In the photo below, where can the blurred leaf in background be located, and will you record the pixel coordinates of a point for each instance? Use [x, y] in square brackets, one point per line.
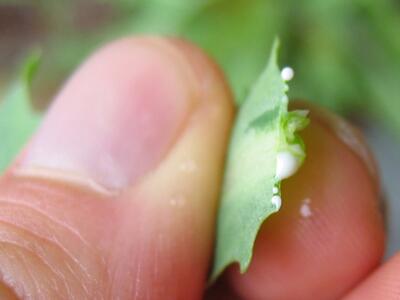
[346, 54]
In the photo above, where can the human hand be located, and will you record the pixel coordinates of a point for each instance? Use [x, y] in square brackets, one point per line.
[115, 197]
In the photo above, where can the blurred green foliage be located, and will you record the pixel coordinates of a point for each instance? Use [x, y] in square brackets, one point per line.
[346, 54]
[17, 119]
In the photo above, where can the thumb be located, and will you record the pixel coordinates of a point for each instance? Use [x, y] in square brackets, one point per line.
[115, 196]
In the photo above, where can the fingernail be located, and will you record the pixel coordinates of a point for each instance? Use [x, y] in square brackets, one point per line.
[116, 118]
[346, 133]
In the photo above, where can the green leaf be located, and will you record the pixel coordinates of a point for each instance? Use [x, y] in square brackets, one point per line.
[263, 129]
[17, 118]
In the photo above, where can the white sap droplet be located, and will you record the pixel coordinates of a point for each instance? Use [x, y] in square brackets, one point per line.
[275, 190]
[188, 166]
[277, 201]
[286, 165]
[287, 73]
[305, 208]
[177, 200]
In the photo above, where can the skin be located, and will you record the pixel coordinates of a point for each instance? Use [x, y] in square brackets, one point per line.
[115, 196]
